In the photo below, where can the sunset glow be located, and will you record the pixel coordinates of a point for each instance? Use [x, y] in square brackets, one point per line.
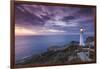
[20, 31]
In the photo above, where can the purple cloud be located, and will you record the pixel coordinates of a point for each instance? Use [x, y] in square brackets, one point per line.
[54, 18]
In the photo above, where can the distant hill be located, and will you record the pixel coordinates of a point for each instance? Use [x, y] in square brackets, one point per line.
[89, 39]
[90, 42]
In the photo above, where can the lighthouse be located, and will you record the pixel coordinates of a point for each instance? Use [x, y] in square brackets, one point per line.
[81, 37]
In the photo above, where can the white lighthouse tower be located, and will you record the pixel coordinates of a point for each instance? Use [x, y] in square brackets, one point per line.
[81, 37]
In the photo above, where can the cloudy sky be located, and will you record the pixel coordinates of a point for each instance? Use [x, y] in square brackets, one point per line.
[52, 20]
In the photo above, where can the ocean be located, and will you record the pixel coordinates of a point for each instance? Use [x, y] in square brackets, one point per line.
[30, 45]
